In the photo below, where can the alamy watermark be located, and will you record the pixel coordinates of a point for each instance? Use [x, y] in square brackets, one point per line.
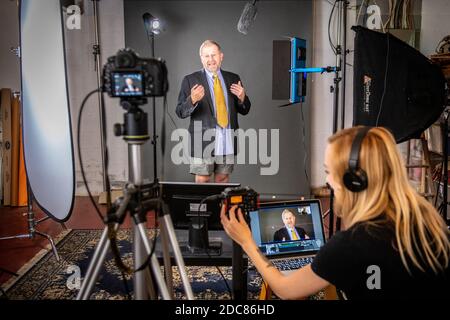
[255, 141]
[74, 280]
[73, 21]
[374, 280]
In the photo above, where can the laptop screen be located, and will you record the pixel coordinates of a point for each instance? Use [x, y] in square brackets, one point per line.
[293, 227]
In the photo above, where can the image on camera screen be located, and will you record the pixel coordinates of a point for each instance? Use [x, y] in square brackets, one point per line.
[127, 84]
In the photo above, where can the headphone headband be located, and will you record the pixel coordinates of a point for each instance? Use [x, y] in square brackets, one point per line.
[355, 178]
[353, 161]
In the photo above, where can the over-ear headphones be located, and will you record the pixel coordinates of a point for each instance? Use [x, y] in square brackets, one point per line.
[355, 178]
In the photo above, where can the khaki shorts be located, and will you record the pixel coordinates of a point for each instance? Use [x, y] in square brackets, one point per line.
[208, 166]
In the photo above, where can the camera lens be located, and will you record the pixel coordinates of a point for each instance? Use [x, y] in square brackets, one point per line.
[125, 59]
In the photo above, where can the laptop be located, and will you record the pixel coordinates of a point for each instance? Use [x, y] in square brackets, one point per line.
[288, 251]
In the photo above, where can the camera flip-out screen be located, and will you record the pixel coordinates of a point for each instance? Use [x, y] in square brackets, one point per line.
[128, 84]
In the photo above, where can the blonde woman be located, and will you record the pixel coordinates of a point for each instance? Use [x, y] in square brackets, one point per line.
[393, 243]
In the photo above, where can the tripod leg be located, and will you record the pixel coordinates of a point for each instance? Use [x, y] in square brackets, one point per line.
[52, 243]
[166, 256]
[168, 226]
[154, 263]
[150, 287]
[94, 266]
[141, 278]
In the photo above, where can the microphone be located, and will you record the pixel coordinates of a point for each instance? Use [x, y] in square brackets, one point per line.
[247, 17]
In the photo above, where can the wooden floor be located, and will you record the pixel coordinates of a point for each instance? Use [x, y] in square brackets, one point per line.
[13, 221]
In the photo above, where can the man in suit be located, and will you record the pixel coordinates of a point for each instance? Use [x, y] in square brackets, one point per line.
[212, 98]
[289, 231]
[129, 86]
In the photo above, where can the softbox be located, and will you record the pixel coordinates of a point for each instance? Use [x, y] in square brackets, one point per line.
[395, 86]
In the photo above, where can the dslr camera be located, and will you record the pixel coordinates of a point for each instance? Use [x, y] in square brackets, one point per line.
[128, 76]
[245, 198]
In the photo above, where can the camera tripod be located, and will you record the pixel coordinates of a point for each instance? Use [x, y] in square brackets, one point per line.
[138, 199]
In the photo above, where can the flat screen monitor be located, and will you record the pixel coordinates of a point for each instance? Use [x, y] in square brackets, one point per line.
[184, 200]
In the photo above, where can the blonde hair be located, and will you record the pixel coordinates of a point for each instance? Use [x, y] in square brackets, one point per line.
[421, 234]
[208, 43]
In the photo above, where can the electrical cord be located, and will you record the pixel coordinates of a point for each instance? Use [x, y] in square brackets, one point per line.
[80, 158]
[163, 136]
[305, 157]
[333, 47]
[360, 10]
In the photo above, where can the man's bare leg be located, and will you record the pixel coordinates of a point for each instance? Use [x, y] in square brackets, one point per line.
[202, 179]
[222, 178]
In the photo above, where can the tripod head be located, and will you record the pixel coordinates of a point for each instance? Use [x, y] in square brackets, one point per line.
[135, 127]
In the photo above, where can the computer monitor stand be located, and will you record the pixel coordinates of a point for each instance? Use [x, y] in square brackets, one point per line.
[198, 242]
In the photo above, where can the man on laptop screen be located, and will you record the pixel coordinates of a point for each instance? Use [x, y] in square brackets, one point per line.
[299, 232]
[290, 231]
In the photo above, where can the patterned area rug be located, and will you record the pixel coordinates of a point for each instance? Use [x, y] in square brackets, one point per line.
[50, 279]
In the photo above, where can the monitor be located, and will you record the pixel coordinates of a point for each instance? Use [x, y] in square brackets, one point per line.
[183, 200]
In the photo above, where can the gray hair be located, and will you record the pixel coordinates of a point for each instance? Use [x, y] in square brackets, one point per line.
[286, 211]
[207, 43]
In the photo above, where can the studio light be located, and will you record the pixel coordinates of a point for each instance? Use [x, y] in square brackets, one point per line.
[152, 24]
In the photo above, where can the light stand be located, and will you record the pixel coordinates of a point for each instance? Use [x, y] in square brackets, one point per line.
[138, 200]
[32, 224]
[101, 109]
[153, 26]
[155, 137]
[341, 51]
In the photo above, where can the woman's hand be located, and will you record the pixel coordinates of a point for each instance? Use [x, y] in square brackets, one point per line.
[235, 226]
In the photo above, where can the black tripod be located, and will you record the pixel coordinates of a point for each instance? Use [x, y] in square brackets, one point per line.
[338, 99]
[138, 199]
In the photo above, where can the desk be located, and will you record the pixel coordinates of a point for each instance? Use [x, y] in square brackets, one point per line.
[232, 255]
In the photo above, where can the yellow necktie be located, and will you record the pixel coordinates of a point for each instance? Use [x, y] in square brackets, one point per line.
[294, 235]
[221, 108]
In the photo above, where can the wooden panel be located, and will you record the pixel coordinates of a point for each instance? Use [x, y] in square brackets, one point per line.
[22, 199]
[6, 145]
[15, 145]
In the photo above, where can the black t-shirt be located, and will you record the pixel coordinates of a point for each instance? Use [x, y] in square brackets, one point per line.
[363, 263]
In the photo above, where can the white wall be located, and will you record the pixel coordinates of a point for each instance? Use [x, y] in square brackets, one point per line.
[9, 37]
[435, 24]
[322, 98]
[83, 79]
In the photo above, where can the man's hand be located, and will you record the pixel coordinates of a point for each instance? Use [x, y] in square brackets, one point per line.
[197, 93]
[238, 90]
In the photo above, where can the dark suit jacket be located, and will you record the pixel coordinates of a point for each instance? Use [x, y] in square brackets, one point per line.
[204, 111]
[283, 235]
[125, 88]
